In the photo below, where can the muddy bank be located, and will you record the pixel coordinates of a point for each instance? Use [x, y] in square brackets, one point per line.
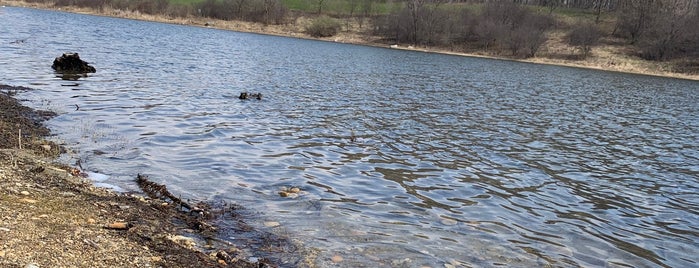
[52, 216]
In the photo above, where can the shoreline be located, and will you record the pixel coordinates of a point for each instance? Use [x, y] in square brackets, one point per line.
[52, 215]
[604, 57]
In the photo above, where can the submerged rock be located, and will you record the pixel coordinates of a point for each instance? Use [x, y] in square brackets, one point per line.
[72, 64]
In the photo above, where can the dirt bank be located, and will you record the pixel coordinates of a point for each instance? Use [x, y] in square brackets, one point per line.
[612, 55]
[52, 216]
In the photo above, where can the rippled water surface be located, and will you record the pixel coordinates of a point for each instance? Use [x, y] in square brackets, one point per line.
[405, 159]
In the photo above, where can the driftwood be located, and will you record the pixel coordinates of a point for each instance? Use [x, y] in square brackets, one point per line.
[197, 216]
[155, 190]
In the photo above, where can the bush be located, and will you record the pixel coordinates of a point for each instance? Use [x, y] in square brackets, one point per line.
[584, 36]
[179, 10]
[323, 27]
[514, 27]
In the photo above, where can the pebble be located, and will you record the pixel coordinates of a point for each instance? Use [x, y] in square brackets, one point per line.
[271, 224]
[91, 221]
[187, 242]
[24, 193]
[31, 265]
[67, 194]
[336, 258]
[2, 253]
[27, 200]
[288, 194]
[4, 229]
[118, 226]
[402, 262]
[449, 265]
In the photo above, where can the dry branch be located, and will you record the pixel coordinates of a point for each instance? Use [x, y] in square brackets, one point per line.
[155, 190]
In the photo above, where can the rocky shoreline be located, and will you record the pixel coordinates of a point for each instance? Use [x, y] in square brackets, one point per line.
[52, 216]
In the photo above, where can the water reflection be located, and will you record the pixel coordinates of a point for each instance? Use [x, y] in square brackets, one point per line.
[70, 77]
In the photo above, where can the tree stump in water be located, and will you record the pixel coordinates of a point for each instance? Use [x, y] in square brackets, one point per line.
[71, 63]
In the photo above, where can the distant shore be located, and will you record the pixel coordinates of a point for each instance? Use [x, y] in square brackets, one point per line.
[604, 57]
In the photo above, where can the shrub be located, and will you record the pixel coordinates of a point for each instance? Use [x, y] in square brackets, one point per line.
[179, 10]
[514, 27]
[323, 27]
[584, 36]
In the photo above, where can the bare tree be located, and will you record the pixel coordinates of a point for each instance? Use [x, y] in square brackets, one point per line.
[667, 31]
[320, 4]
[365, 9]
[635, 17]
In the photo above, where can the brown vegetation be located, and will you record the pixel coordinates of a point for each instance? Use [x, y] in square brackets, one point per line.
[323, 27]
[641, 36]
[584, 36]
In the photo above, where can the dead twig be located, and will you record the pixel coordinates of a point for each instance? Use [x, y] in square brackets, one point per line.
[155, 190]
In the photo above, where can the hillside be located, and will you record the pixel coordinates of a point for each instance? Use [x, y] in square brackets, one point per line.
[515, 32]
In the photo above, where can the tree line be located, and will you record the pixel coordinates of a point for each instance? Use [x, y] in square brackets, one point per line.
[261, 11]
[657, 29]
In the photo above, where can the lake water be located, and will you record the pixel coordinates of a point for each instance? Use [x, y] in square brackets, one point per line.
[404, 159]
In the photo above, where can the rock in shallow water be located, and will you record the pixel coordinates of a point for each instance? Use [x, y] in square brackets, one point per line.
[271, 224]
[337, 258]
[71, 63]
[448, 222]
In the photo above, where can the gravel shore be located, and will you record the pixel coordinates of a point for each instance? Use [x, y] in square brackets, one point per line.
[51, 216]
